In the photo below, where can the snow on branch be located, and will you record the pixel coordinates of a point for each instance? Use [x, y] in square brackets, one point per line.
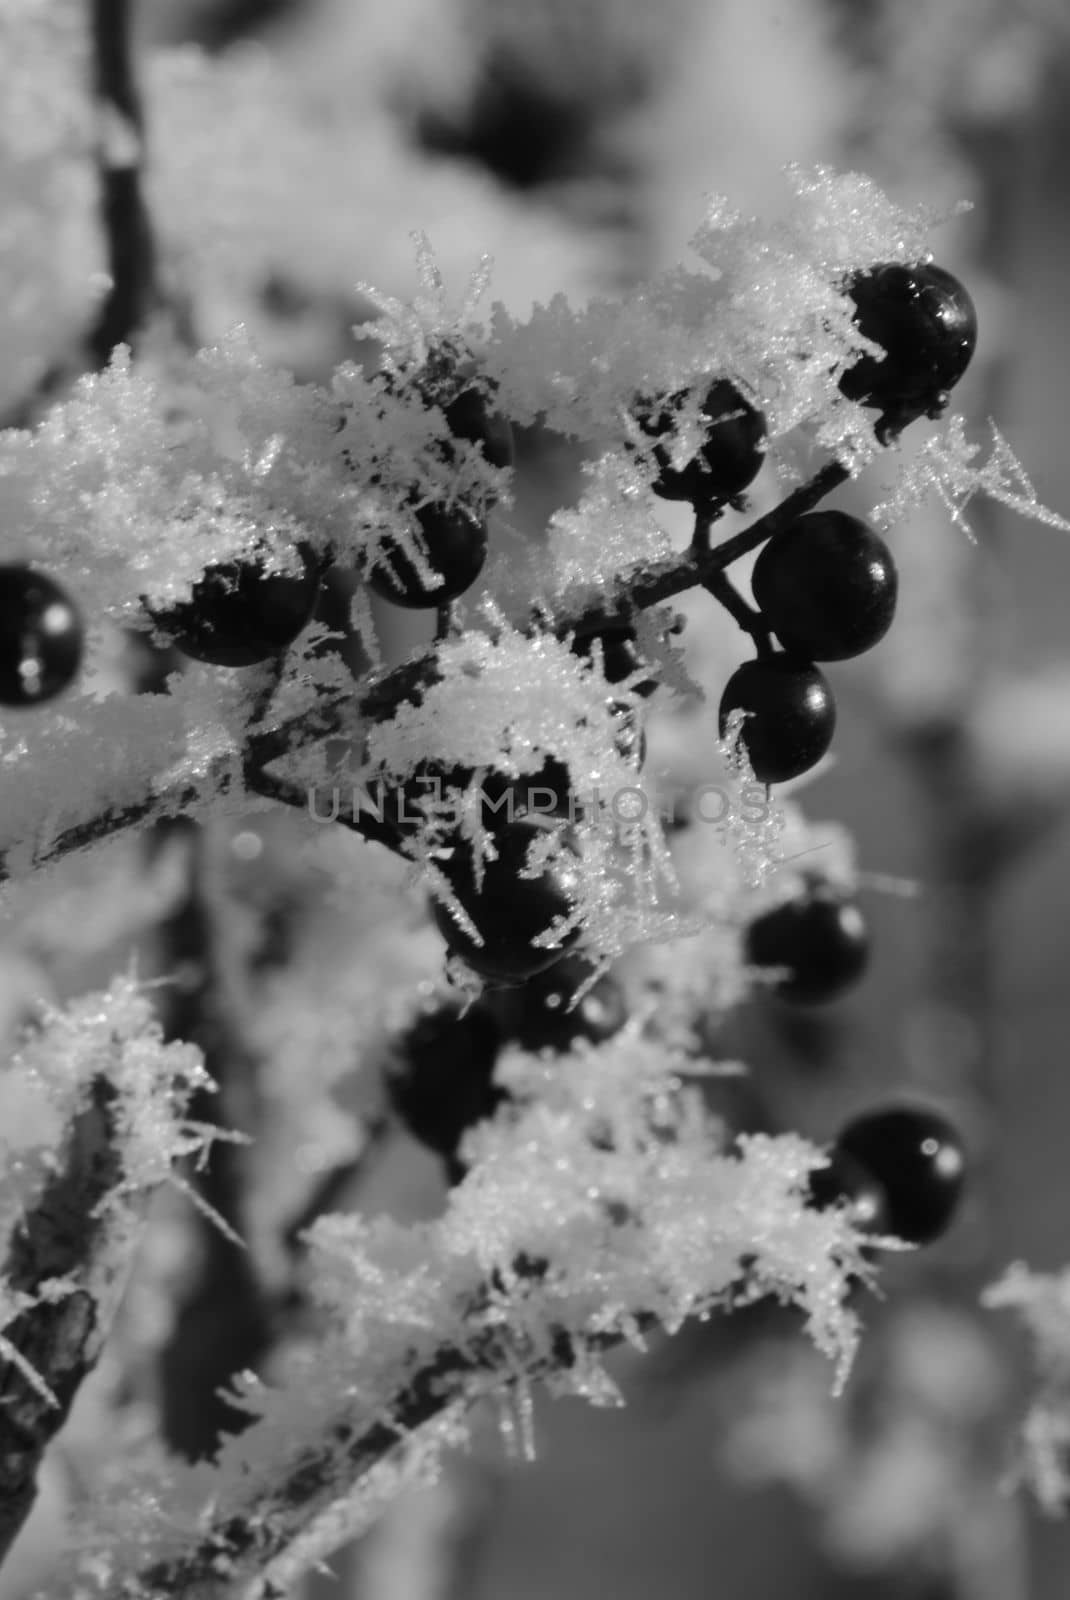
[91, 1120]
[602, 1204]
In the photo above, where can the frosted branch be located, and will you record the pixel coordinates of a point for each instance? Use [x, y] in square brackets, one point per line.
[380, 697]
[98, 1070]
[58, 1336]
[453, 1312]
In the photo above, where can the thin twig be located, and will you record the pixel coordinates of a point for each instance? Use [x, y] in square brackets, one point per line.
[750, 619]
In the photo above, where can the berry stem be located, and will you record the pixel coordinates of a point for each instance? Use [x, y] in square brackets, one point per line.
[750, 619]
[651, 585]
[705, 517]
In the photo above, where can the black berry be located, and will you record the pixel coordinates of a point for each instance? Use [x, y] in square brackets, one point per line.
[791, 715]
[510, 911]
[441, 1078]
[926, 322]
[240, 613]
[844, 1182]
[539, 1018]
[455, 543]
[730, 457]
[827, 586]
[819, 938]
[40, 637]
[916, 1158]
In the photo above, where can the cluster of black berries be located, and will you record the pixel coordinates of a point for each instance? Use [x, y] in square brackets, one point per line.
[441, 1078]
[41, 637]
[826, 585]
[239, 613]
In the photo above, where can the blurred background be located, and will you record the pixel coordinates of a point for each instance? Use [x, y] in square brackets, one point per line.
[575, 140]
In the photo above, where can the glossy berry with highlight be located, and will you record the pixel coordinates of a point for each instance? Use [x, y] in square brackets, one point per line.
[455, 545]
[790, 715]
[509, 911]
[916, 1157]
[41, 637]
[827, 586]
[240, 613]
[820, 941]
[924, 319]
[730, 456]
[541, 1014]
[845, 1183]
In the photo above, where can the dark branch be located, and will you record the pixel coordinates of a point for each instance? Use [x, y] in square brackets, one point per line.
[128, 232]
[61, 1338]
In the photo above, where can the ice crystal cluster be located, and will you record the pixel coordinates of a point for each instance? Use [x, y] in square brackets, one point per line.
[1041, 1303]
[603, 1202]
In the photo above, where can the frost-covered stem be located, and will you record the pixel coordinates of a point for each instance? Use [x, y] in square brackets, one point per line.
[649, 586]
[288, 793]
[721, 587]
[243, 1540]
[637, 589]
[130, 247]
[96, 829]
[378, 700]
[61, 1337]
